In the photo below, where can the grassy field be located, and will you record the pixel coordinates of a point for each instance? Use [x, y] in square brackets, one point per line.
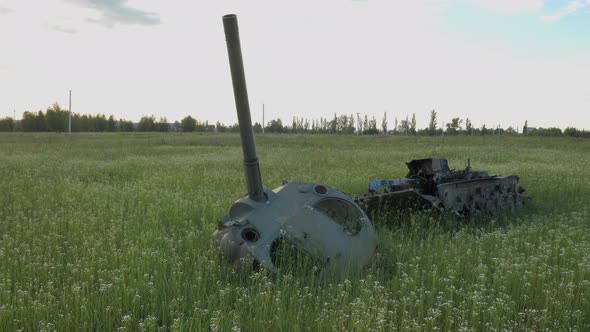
[112, 232]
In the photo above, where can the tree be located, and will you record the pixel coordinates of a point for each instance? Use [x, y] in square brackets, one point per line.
[350, 128]
[40, 122]
[403, 126]
[407, 125]
[384, 123]
[203, 126]
[111, 124]
[100, 122]
[413, 124]
[257, 128]
[551, 131]
[275, 126]
[57, 119]
[7, 124]
[147, 123]
[342, 124]
[360, 127]
[28, 121]
[433, 122]
[371, 127]
[484, 130]
[334, 124]
[175, 126]
[220, 127]
[468, 127]
[298, 125]
[574, 132]
[125, 126]
[162, 125]
[454, 127]
[235, 128]
[294, 125]
[525, 127]
[85, 123]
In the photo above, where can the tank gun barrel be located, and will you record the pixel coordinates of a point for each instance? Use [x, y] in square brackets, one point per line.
[234, 51]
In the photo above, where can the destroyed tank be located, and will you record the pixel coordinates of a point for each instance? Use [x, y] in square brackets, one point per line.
[325, 224]
[430, 183]
[314, 219]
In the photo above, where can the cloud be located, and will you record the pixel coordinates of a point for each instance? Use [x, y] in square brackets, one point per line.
[5, 11]
[115, 12]
[509, 7]
[570, 8]
[60, 28]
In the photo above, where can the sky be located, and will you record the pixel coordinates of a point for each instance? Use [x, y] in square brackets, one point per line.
[496, 62]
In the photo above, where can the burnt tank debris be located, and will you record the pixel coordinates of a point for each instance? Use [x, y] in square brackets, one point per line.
[431, 184]
[325, 224]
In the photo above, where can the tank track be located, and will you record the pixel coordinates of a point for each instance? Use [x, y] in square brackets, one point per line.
[380, 202]
[482, 197]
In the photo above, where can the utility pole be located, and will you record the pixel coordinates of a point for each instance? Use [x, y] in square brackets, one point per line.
[263, 118]
[70, 115]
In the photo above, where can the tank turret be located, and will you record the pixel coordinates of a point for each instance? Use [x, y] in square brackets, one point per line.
[313, 218]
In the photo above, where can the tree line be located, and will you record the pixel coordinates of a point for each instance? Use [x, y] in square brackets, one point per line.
[55, 119]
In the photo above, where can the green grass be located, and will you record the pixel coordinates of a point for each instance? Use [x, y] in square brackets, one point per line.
[106, 232]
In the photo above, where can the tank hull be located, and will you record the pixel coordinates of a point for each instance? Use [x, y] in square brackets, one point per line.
[431, 184]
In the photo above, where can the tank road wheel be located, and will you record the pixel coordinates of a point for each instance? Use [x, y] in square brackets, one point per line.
[519, 201]
[501, 203]
[474, 209]
[490, 207]
[510, 202]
